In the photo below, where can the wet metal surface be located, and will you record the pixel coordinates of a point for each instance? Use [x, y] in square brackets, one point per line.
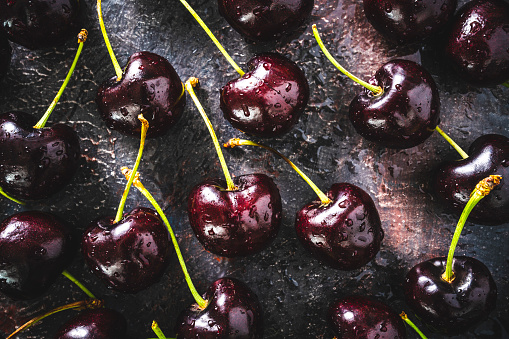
[295, 289]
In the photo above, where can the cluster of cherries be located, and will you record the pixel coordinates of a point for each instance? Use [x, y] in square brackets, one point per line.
[399, 108]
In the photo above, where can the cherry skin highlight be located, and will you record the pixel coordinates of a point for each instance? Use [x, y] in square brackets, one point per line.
[356, 317]
[409, 21]
[35, 248]
[450, 307]
[235, 223]
[478, 41]
[130, 255]
[5, 55]
[345, 234]
[233, 311]
[35, 163]
[269, 99]
[101, 323]
[405, 114]
[149, 86]
[263, 20]
[38, 24]
[454, 180]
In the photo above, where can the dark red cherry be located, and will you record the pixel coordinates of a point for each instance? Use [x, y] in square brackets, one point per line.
[405, 114]
[409, 21]
[235, 223]
[5, 55]
[356, 317]
[269, 99]
[345, 234]
[35, 248]
[262, 20]
[130, 255]
[100, 323]
[35, 162]
[39, 24]
[149, 86]
[450, 307]
[455, 180]
[233, 311]
[478, 42]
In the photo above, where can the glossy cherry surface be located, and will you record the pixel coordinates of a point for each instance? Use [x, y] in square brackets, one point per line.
[409, 21]
[356, 317]
[347, 233]
[269, 99]
[130, 255]
[405, 114]
[233, 311]
[101, 323]
[265, 19]
[39, 24]
[35, 247]
[478, 42]
[235, 223]
[454, 181]
[35, 163]
[149, 86]
[5, 55]
[450, 307]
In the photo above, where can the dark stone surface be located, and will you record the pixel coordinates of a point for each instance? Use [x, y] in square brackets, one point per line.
[295, 290]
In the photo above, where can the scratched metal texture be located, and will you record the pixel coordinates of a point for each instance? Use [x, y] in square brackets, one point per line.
[295, 290]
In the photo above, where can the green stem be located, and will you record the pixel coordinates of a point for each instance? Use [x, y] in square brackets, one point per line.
[157, 330]
[506, 84]
[463, 154]
[144, 129]
[212, 37]
[69, 276]
[202, 303]
[82, 37]
[241, 142]
[118, 69]
[10, 198]
[80, 305]
[377, 90]
[482, 189]
[192, 82]
[412, 325]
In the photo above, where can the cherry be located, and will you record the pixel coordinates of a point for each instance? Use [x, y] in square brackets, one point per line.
[341, 228]
[409, 21]
[149, 86]
[233, 311]
[5, 55]
[101, 323]
[453, 180]
[400, 106]
[357, 317]
[129, 255]
[263, 20]
[477, 43]
[35, 247]
[38, 24]
[451, 294]
[269, 99]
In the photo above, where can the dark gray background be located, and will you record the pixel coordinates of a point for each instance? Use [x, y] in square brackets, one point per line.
[295, 290]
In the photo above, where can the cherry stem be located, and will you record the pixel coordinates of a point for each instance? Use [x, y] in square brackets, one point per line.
[412, 325]
[10, 198]
[80, 305]
[241, 142]
[69, 276]
[82, 37]
[482, 189]
[506, 84]
[202, 303]
[118, 69]
[212, 37]
[454, 145]
[144, 128]
[157, 330]
[192, 82]
[377, 90]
